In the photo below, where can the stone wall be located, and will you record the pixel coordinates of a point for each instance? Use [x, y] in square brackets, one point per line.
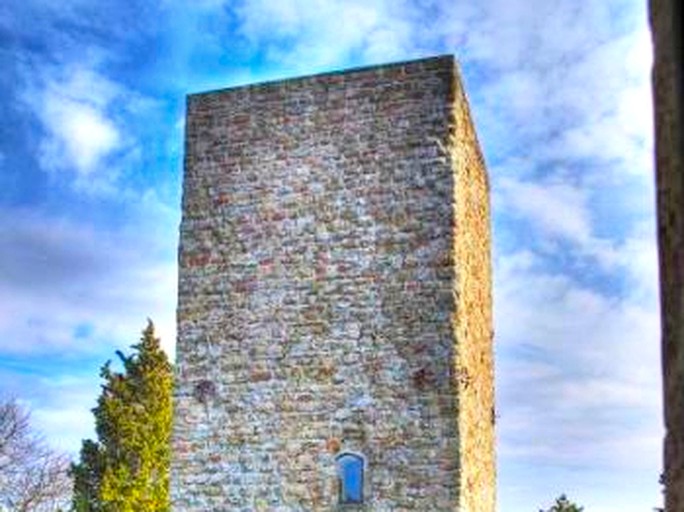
[666, 20]
[334, 295]
[473, 317]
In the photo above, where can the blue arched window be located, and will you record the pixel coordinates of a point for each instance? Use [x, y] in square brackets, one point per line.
[350, 473]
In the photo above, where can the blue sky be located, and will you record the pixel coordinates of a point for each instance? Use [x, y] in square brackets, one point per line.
[92, 102]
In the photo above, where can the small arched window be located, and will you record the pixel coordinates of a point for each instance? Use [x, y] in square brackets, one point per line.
[350, 473]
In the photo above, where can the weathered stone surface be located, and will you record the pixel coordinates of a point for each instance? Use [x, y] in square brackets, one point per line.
[666, 22]
[335, 289]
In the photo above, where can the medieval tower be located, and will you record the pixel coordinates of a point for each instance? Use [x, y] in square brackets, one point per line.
[334, 314]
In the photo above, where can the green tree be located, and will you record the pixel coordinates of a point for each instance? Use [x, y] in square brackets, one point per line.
[127, 468]
[563, 505]
[86, 477]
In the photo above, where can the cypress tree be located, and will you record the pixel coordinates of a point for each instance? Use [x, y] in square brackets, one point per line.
[563, 504]
[127, 468]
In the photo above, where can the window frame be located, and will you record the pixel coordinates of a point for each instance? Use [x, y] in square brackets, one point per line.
[361, 460]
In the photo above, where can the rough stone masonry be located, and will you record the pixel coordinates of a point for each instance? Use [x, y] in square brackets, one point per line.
[335, 297]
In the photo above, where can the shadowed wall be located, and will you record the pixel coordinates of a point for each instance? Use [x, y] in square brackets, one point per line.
[666, 21]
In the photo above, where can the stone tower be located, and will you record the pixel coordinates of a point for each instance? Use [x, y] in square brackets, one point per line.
[334, 314]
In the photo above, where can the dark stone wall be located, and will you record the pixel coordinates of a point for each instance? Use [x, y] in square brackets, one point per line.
[666, 21]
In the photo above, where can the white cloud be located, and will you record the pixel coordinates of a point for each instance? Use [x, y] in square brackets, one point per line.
[79, 110]
[578, 379]
[571, 81]
[59, 275]
[59, 405]
[556, 208]
[70, 294]
[63, 412]
[313, 34]
[79, 134]
[637, 256]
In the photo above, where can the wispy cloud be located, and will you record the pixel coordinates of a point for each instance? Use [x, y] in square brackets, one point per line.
[556, 208]
[60, 405]
[90, 125]
[57, 275]
[62, 409]
[556, 215]
[70, 294]
[299, 34]
[572, 81]
[80, 135]
[79, 132]
[577, 370]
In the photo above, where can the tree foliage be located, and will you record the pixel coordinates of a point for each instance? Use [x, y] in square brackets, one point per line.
[33, 477]
[563, 505]
[127, 468]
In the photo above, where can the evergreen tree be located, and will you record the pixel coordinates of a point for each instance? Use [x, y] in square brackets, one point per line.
[564, 505]
[86, 477]
[127, 468]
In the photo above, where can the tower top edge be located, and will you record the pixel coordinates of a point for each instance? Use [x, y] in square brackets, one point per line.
[444, 61]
